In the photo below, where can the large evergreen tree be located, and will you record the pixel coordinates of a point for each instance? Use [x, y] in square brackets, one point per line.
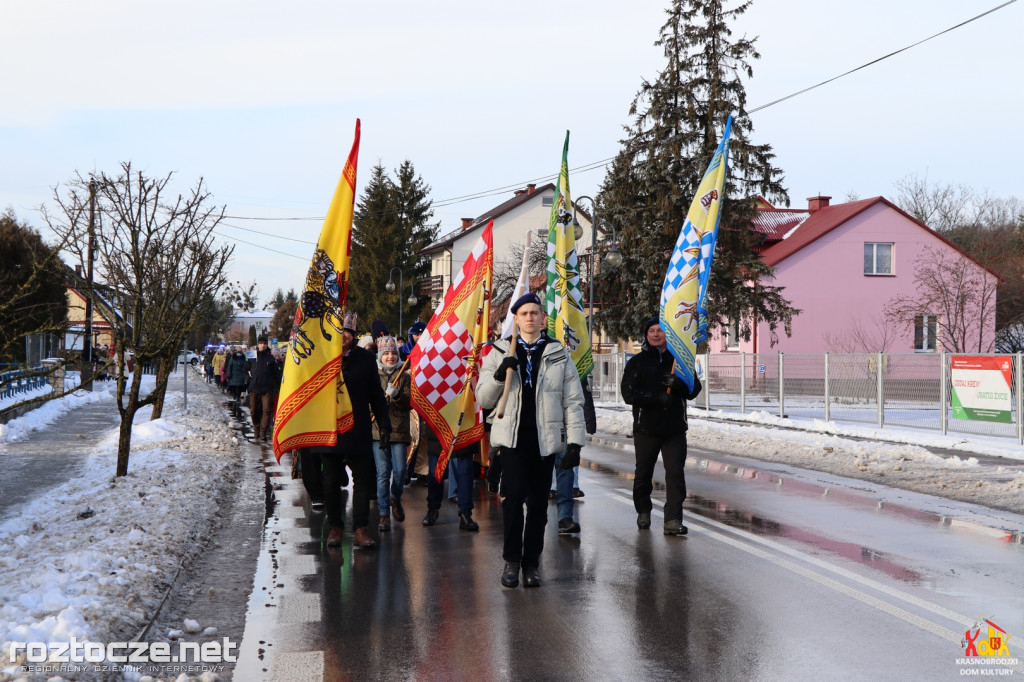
[391, 225]
[677, 120]
[33, 291]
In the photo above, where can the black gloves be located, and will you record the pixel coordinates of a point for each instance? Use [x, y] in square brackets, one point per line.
[571, 458]
[664, 399]
[510, 362]
[673, 382]
[385, 439]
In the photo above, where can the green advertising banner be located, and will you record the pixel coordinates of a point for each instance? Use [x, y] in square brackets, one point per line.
[981, 388]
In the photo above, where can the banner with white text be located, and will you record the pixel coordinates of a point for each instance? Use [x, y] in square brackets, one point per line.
[981, 388]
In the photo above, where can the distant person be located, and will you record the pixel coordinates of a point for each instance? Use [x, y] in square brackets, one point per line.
[264, 379]
[414, 336]
[543, 417]
[659, 400]
[235, 370]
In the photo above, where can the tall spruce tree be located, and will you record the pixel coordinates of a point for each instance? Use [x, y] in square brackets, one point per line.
[390, 226]
[677, 120]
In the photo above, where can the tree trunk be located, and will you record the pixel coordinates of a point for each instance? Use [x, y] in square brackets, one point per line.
[163, 371]
[124, 441]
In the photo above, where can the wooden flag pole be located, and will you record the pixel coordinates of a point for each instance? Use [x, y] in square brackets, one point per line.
[508, 372]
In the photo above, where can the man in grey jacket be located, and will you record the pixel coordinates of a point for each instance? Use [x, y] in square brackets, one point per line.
[543, 417]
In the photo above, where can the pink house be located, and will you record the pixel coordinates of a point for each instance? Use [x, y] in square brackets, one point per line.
[854, 271]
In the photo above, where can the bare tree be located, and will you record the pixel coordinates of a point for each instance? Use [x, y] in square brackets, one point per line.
[875, 335]
[956, 290]
[940, 207]
[155, 253]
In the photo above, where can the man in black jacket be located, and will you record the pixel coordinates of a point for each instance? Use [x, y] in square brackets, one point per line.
[659, 400]
[355, 446]
[263, 376]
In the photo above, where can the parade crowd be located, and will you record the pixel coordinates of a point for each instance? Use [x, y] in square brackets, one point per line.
[537, 413]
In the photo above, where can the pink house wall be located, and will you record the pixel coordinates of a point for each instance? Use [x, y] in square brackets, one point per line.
[826, 281]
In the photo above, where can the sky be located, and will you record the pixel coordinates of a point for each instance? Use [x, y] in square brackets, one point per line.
[260, 100]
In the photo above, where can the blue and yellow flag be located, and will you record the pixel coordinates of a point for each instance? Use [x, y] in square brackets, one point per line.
[683, 313]
[564, 299]
[314, 404]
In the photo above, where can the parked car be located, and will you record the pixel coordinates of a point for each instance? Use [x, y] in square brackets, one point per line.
[189, 357]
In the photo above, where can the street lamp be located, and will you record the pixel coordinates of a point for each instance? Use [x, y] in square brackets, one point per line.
[390, 286]
[613, 259]
[412, 300]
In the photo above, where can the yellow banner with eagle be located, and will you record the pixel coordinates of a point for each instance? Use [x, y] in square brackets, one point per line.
[314, 406]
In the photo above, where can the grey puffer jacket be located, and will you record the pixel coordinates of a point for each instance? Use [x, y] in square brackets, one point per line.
[559, 399]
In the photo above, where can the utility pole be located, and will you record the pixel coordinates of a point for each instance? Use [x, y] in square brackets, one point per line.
[87, 341]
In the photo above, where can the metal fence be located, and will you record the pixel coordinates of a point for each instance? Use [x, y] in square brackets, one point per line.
[894, 389]
[15, 379]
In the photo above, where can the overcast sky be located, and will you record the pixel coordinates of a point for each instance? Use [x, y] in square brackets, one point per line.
[261, 98]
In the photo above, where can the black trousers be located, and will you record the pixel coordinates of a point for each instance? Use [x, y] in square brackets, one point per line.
[673, 455]
[525, 480]
[312, 474]
[364, 483]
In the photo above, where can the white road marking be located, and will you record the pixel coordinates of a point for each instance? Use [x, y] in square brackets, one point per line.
[863, 597]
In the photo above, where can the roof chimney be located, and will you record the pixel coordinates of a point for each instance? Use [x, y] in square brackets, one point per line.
[467, 222]
[78, 270]
[817, 203]
[530, 188]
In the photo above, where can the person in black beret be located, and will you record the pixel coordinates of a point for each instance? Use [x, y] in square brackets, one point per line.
[543, 416]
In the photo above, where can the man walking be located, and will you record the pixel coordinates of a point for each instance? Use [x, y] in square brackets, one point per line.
[355, 447]
[659, 400]
[264, 377]
[543, 416]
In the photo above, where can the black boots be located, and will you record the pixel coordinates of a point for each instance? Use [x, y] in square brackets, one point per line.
[510, 576]
[431, 518]
[466, 522]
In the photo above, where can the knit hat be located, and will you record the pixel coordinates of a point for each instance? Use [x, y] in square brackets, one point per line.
[350, 322]
[365, 341]
[524, 299]
[643, 331]
[378, 329]
[385, 345]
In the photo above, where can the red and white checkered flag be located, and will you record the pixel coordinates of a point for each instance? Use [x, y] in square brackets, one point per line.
[446, 360]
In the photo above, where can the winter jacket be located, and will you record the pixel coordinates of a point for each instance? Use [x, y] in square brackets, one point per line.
[218, 362]
[262, 372]
[359, 370]
[400, 407]
[645, 381]
[559, 399]
[236, 369]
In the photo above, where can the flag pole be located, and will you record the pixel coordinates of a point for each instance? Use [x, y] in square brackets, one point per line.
[508, 372]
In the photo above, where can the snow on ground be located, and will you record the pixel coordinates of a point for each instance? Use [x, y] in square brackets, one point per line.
[93, 558]
[830, 447]
[18, 429]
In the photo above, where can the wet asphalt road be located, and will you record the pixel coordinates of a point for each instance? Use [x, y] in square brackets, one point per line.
[785, 574]
[53, 454]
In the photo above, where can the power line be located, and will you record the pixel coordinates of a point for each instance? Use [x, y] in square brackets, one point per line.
[442, 203]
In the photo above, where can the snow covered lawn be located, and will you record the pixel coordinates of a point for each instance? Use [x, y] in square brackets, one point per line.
[93, 559]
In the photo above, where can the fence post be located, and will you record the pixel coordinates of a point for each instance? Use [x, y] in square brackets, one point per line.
[943, 395]
[707, 381]
[743, 382]
[1020, 398]
[782, 388]
[881, 392]
[828, 398]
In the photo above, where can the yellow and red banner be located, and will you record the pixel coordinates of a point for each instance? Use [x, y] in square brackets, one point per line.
[314, 406]
[446, 361]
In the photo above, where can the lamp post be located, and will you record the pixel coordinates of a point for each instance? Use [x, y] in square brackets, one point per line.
[412, 300]
[613, 259]
[390, 286]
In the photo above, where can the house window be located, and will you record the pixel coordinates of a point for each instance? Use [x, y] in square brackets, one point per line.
[547, 201]
[926, 333]
[732, 335]
[877, 258]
